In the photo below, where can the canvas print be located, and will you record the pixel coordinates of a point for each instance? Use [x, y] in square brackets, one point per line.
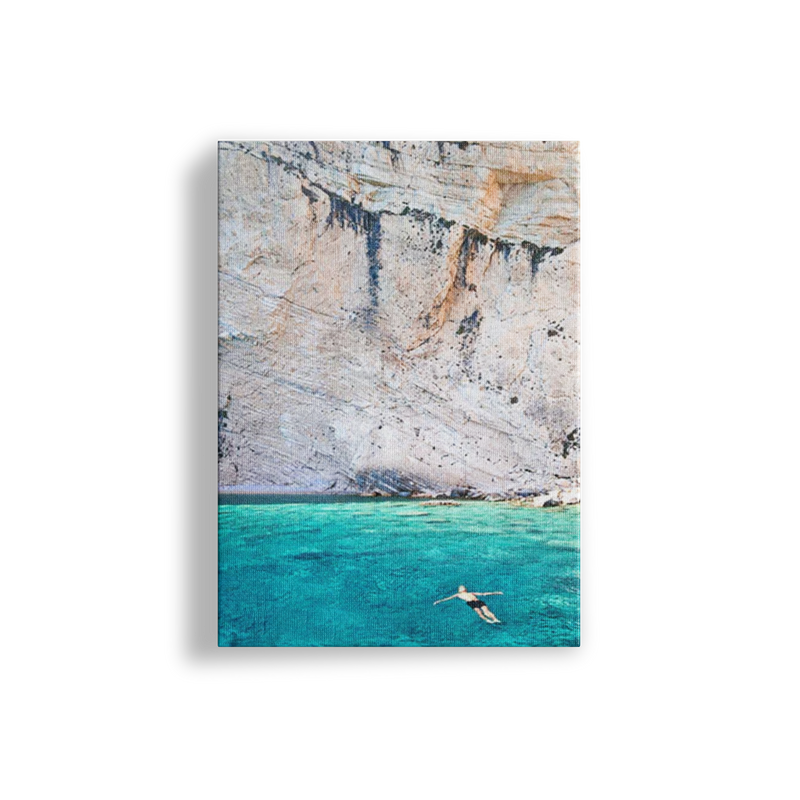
[399, 394]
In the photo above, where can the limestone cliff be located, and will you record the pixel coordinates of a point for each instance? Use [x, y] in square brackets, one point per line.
[399, 316]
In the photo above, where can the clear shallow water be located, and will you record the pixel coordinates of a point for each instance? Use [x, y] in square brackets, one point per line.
[365, 572]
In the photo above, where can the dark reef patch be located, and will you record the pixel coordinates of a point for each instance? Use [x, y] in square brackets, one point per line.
[312, 556]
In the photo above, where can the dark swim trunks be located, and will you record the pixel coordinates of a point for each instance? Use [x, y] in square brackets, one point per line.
[476, 604]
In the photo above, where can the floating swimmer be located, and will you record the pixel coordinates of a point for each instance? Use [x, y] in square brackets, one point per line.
[471, 599]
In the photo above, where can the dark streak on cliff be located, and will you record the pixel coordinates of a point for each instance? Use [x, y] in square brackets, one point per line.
[538, 254]
[394, 155]
[469, 324]
[365, 223]
[424, 216]
[223, 446]
[571, 442]
[316, 152]
[503, 248]
[470, 247]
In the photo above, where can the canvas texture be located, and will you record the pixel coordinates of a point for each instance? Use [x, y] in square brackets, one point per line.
[399, 394]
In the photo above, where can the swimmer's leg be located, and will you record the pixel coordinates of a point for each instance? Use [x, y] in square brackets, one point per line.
[489, 616]
[479, 612]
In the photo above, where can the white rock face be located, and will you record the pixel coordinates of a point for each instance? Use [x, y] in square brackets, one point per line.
[399, 317]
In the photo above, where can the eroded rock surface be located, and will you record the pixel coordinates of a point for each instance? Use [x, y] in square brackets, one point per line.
[399, 317]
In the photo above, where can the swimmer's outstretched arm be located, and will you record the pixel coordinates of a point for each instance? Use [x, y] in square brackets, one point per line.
[452, 596]
[485, 593]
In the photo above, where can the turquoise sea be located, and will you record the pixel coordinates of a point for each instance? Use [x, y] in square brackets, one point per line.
[303, 571]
